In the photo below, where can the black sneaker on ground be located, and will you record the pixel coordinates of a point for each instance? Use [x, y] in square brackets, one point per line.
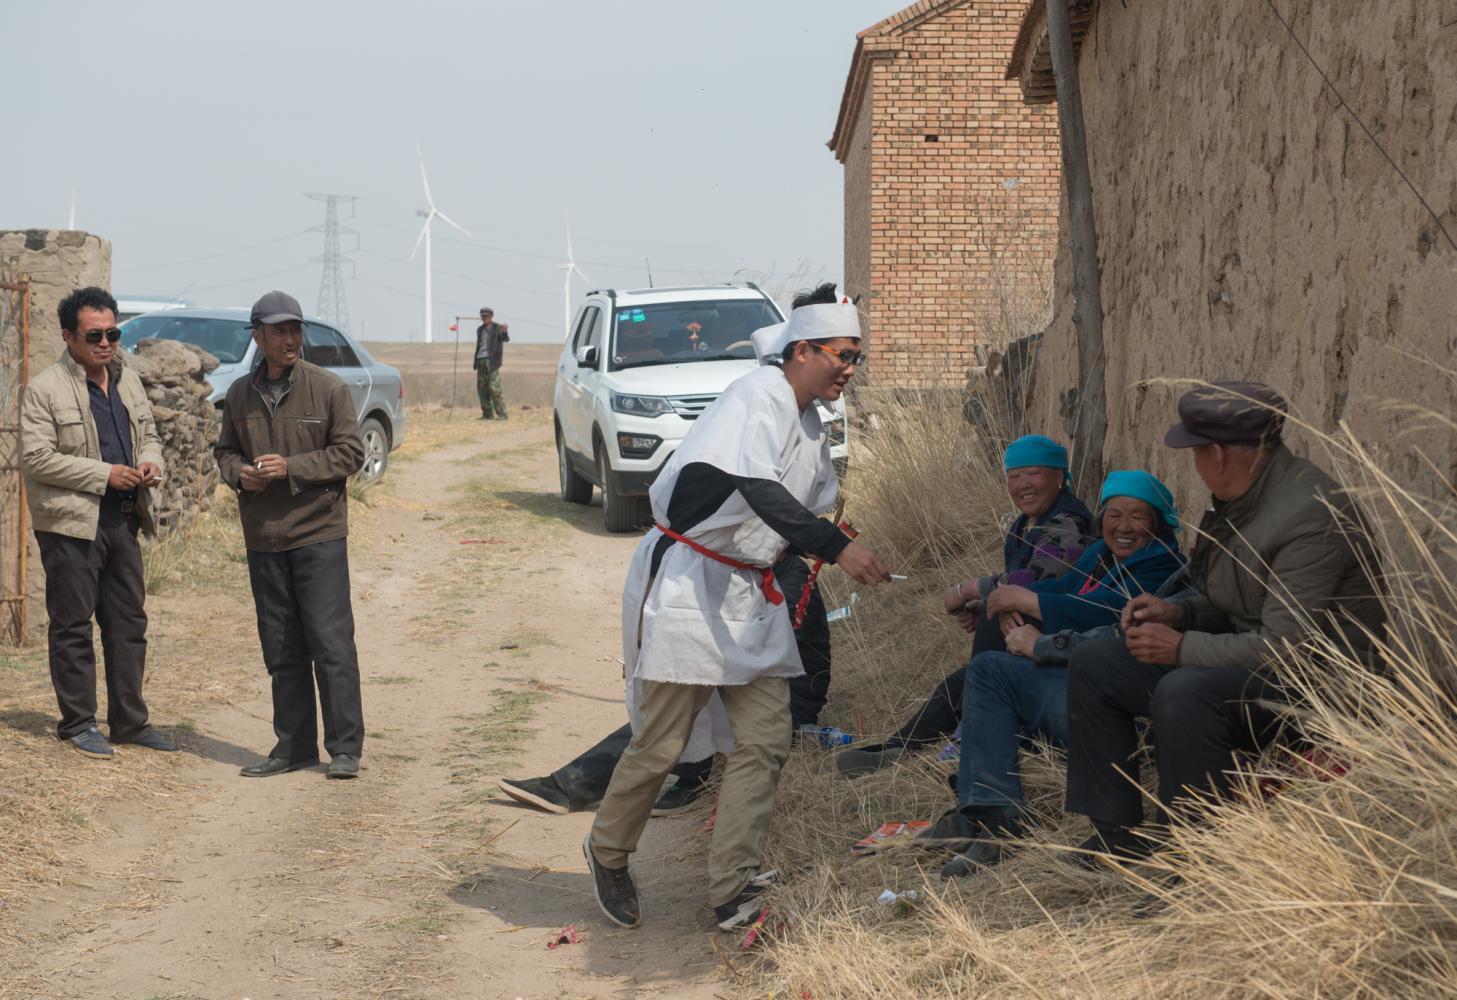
[344, 766]
[92, 744]
[740, 910]
[857, 761]
[679, 796]
[996, 827]
[1125, 845]
[962, 829]
[150, 739]
[539, 793]
[615, 888]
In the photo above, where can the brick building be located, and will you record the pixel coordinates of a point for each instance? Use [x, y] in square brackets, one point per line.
[952, 185]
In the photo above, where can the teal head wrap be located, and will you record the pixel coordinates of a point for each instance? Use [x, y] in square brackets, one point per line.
[1141, 486]
[1034, 449]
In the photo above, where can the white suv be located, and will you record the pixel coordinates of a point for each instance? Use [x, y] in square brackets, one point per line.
[637, 370]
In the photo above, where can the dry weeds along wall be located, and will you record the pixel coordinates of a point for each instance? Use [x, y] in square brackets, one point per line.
[1248, 228]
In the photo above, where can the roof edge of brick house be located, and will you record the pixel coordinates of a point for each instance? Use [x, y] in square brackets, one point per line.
[1031, 58]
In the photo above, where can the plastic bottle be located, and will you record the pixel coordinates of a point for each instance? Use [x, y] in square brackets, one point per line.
[827, 736]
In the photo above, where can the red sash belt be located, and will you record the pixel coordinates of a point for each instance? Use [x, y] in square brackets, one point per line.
[766, 583]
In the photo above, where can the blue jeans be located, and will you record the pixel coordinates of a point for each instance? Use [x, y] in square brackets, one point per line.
[1007, 699]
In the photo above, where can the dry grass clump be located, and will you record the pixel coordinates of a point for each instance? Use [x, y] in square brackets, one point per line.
[1342, 885]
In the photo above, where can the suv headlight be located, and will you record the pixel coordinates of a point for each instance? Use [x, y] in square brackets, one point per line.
[641, 406]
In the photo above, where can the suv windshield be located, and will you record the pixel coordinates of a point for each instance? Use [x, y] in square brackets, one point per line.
[225, 339]
[670, 333]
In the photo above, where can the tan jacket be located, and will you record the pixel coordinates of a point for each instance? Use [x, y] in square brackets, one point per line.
[60, 452]
[316, 429]
[1277, 563]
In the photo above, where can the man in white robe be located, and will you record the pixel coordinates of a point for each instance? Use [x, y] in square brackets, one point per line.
[750, 478]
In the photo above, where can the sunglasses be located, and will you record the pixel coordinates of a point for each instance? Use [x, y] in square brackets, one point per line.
[847, 357]
[94, 336]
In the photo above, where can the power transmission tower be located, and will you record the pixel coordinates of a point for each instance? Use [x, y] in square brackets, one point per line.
[333, 305]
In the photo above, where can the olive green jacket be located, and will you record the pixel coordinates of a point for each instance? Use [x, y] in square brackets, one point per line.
[60, 452]
[1289, 557]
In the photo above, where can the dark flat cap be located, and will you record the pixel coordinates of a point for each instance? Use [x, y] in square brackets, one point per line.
[276, 307]
[488, 309]
[1228, 413]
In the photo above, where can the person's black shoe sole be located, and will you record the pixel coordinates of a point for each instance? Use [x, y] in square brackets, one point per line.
[854, 763]
[530, 798]
[274, 765]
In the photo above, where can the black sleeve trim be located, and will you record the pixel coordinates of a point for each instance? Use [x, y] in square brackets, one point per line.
[790, 519]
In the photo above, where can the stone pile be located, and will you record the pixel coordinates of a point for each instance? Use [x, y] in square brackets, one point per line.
[175, 376]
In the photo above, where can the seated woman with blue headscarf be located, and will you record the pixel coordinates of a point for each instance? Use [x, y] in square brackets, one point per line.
[1022, 692]
[1051, 531]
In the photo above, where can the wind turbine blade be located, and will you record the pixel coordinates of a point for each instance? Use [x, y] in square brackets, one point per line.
[429, 201]
[71, 217]
[445, 218]
[421, 238]
[580, 274]
[568, 221]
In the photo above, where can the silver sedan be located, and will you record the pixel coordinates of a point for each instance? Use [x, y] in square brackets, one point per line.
[378, 390]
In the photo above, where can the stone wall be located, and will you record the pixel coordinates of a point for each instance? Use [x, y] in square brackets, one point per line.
[1248, 228]
[962, 190]
[59, 261]
[175, 375]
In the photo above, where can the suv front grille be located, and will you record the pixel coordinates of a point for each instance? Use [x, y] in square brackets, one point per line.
[689, 407]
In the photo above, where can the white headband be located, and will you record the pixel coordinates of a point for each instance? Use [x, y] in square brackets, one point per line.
[825, 321]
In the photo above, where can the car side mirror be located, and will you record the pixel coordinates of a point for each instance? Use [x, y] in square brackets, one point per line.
[587, 356]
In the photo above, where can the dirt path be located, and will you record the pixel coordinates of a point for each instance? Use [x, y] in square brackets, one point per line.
[494, 657]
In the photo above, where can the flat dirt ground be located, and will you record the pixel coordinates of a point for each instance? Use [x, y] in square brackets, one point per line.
[431, 370]
[487, 620]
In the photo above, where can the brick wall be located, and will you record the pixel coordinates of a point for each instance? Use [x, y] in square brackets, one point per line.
[963, 191]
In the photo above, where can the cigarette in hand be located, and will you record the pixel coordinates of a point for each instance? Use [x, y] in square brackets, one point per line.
[258, 466]
[896, 577]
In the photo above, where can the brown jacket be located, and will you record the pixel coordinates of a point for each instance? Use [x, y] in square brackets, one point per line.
[1288, 557]
[60, 452]
[316, 429]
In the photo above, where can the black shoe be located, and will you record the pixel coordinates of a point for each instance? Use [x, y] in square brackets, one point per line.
[344, 765]
[679, 796]
[996, 827]
[1124, 845]
[744, 907]
[540, 793]
[615, 888]
[960, 830]
[150, 739]
[92, 744]
[856, 761]
[270, 766]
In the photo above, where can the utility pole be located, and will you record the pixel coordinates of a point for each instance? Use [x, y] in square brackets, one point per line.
[1090, 427]
[333, 305]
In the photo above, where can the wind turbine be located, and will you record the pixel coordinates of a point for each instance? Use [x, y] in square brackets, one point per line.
[569, 267]
[429, 216]
[71, 217]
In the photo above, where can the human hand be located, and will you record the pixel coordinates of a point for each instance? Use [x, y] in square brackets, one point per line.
[960, 595]
[251, 480]
[862, 565]
[272, 466]
[1155, 644]
[150, 472]
[1021, 640]
[1012, 598]
[1009, 620]
[504, 327]
[968, 616]
[123, 477]
[1146, 609]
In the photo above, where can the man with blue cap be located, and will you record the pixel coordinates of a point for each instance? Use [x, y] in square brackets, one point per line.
[1281, 556]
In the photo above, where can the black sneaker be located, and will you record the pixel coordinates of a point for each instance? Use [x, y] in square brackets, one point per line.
[996, 826]
[615, 888]
[92, 744]
[744, 907]
[1123, 845]
[856, 761]
[539, 793]
[150, 739]
[679, 796]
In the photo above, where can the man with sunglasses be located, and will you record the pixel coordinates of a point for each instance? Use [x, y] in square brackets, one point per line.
[90, 453]
[702, 616]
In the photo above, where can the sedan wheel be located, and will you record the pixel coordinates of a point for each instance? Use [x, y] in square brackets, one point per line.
[376, 451]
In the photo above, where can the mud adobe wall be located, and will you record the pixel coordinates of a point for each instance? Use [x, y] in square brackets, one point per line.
[1249, 230]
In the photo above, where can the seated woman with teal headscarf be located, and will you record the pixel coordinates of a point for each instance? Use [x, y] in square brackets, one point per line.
[1022, 692]
[1051, 531]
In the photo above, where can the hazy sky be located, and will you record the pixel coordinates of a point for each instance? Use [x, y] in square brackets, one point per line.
[690, 133]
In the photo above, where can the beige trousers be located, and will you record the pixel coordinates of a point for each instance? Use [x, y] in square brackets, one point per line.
[758, 714]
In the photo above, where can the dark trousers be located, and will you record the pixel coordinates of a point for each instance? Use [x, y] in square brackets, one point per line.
[306, 628]
[941, 714]
[586, 777]
[100, 577]
[1202, 717]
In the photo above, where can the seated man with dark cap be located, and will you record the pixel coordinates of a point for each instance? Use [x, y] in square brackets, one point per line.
[1280, 553]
